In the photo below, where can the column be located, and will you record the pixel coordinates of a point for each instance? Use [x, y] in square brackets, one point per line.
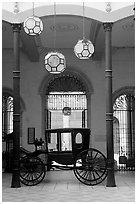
[109, 106]
[16, 107]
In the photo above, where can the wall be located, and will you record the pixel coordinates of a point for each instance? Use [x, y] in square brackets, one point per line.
[32, 75]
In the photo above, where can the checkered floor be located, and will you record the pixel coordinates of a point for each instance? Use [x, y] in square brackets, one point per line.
[62, 186]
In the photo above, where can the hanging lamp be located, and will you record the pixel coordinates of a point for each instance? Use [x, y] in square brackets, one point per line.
[55, 62]
[33, 25]
[84, 48]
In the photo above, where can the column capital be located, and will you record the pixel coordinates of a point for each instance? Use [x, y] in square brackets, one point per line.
[107, 26]
[16, 27]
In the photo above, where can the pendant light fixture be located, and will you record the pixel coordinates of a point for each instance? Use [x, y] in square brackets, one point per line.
[84, 48]
[55, 62]
[33, 25]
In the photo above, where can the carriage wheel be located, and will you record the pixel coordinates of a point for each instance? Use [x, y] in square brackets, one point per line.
[90, 167]
[32, 170]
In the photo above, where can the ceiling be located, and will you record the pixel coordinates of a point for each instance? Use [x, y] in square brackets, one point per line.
[66, 31]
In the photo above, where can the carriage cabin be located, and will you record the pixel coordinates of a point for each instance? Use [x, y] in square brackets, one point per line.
[65, 143]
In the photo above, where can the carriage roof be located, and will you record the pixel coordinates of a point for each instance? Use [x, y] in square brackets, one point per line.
[68, 130]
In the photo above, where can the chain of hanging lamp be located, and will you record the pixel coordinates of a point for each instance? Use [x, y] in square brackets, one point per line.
[55, 62]
[84, 48]
[33, 25]
[83, 21]
[54, 26]
[32, 8]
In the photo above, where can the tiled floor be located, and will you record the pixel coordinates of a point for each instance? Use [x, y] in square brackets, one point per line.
[62, 186]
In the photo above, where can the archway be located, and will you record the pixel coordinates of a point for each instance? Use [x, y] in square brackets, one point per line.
[73, 85]
[124, 127]
[7, 127]
[7, 110]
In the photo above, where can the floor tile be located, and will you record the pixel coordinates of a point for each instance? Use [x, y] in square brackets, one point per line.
[62, 186]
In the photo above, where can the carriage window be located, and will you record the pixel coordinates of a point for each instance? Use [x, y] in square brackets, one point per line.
[78, 138]
[66, 144]
[52, 144]
[60, 142]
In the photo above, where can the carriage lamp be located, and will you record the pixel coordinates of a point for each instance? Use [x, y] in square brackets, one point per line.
[33, 25]
[84, 49]
[55, 62]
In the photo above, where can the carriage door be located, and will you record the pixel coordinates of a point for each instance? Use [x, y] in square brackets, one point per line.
[124, 131]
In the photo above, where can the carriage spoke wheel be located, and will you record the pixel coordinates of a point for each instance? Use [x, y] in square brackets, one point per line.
[90, 167]
[32, 170]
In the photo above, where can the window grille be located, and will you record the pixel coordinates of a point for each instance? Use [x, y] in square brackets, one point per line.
[75, 101]
[124, 127]
[7, 114]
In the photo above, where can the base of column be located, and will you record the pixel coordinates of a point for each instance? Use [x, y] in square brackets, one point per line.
[111, 179]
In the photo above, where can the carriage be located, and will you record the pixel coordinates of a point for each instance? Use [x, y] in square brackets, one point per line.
[65, 149]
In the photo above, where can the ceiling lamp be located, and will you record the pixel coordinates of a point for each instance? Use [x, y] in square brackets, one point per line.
[55, 62]
[33, 25]
[84, 48]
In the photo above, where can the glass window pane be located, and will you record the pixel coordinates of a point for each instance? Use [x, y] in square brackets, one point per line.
[78, 138]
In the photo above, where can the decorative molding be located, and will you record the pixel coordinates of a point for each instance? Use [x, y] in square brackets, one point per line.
[16, 7]
[107, 26]
[108, 7]
[68, 72]
[64, 27]
[16, 27]
[129, 26]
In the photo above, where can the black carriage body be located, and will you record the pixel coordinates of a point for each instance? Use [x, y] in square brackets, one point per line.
[79, 141]
[89, 164]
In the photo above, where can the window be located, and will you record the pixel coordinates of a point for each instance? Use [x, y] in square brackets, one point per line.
[78, 138]
[124, 126]
[75, 102]
[7, 114]
[60, 141]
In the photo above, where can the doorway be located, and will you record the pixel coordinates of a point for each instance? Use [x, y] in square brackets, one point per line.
[66, 105]
[124, 130]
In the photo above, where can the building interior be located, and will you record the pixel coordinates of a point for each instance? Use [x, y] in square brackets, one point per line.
[74, 93]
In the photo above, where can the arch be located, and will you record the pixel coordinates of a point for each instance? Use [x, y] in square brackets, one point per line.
[124, 123]
[65, 83]
[70, 72]
[9, 91]
[123, 90]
